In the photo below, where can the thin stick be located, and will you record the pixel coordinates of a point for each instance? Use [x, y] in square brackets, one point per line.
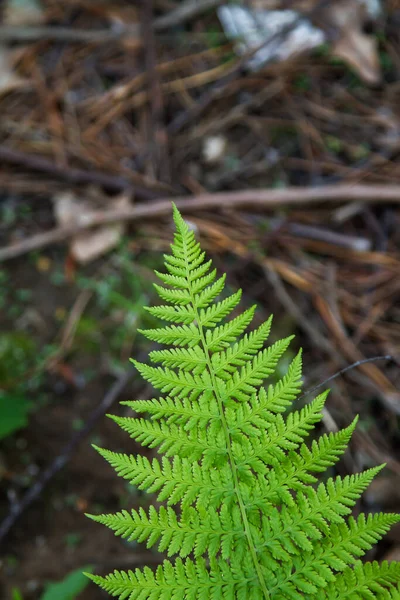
[342, 371]
[61, 460]
[185, 12]
[157, 142]
[73, 175]
[251, 200]
[65, 34]
[188, 10]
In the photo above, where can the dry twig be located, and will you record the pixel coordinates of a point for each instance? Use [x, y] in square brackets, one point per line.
[251, 200]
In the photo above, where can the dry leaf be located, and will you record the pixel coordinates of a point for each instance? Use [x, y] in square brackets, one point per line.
[71, 210]
[9, 81]
[279, 34]
[310, 24]
[354, 46]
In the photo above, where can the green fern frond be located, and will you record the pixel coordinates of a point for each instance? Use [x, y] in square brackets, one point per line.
[180, 384]
[173, 296]
[225, 363]
[369, 581]
[178, 481]
[295, 471]
[183, 580]
[242, 514]
[221, 337]
[184, 335]
[189, 359]
[174, 314]
[179, 410]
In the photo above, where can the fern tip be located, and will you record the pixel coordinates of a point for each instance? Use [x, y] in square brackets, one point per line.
[89, 516]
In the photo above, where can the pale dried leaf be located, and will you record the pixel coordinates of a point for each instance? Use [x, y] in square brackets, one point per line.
[354, 46]
[89, 246]
[279, 34]
[9, 81]
[70, 210]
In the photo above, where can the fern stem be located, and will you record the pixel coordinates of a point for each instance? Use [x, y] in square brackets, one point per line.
[234, 472]
[241, 504]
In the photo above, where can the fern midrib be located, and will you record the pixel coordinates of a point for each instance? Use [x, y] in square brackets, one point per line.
[232, 463]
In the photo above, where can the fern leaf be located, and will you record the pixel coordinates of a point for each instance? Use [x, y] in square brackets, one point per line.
[183, 580]
[177, 281]
[279, 397]
[178, 481]
[174, 314]
[199, 285]
[204, 298]
[196, 531]
[282, 435]
[246, 381]
[173, 296]
[237, 481]
[344, 545]
[200, 272]
[369, 581]
[222, 336]
[213, 315]
[237, 355]
[192, 359]
[172, 439]
[185, 335]
[294, 528]
[172, 382]
[179, 410]
[295, 471]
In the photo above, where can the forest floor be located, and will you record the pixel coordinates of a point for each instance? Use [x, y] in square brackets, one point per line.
[109, 110]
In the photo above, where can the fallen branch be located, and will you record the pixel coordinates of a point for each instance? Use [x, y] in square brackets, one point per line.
[73, 175]
[250, 200]
[66, 34]
[187, 11]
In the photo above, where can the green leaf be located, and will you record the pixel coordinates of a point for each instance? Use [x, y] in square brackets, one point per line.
[13, 413]
[69, 588]
[236, 487]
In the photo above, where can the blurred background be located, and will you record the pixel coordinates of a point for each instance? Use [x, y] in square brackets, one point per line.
[110, 109]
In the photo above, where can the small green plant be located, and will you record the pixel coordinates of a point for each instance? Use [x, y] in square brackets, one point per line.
[67, 589]
[241, 508]
[17, 351]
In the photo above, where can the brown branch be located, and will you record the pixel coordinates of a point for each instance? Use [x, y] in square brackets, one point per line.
[188, 10]
[73, 175]
[250, 200]
[158, 141]
[65, 34]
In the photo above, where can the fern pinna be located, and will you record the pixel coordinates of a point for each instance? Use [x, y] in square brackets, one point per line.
[242, 511]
